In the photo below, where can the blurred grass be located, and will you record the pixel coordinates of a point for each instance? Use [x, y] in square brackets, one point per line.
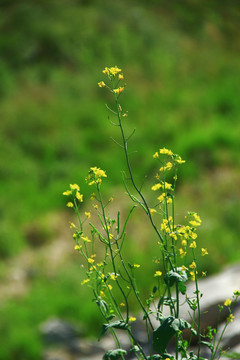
[181, 63]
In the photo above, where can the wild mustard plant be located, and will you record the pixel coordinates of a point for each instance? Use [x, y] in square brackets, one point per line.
[112, 279]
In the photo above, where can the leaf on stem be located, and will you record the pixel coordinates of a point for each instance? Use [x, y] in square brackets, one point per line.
[173, 277]
[116, 324]
[168, 328]
[114, 354]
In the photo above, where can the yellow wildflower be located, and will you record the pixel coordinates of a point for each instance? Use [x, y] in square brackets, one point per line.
[204, 273]
[120, 77]
[74, 187]
[166, 186]
[180, 161]
[95, 206]
[169, 165]
[118, 90]
[228, 302]
[102, 294]
[193, 265]
[72, 225]
[98, 172]
[114, 70]
[173, 235]
[184, 242]
[158, 273]
[152, 211]
[236, 292]
[122, 304]
[136, 265]
[67, 192]
[85, 281]
[77, 247]
[155, 156]
[165, 151]
[113, 277]
[109, 287]
[101, 84]
[183, 268]
[79, 196]
[230, 318]
[193, 235]
[197, 217]
[156, 187]
[204, 252]
[87, 214]
[182, 252]
[85, 239]
[161, 197]
[194, 223]
[106, 71]
[90, 260]
[70, 204]
[193, 276]
[132, 318]
[193, 245]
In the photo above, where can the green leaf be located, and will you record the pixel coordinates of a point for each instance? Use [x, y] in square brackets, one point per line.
[192, 304]
[135, 349]
[163, 334]
[208, 344]
[169, 327]
[173, 277]
[115, 324]
[166, 300]
[182, 287]
[114, 354]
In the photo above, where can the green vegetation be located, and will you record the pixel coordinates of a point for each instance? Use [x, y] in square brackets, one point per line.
[182, 65]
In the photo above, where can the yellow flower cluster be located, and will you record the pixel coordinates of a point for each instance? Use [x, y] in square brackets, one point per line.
[95, 176]
[113, 73]
[194, 219]
[74, 192]
[176, 159]
[228, 302]
[114, 70]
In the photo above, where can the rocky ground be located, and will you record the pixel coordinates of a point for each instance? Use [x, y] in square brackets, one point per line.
[63, 341]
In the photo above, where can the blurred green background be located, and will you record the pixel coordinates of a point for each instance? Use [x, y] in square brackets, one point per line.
[181, 61]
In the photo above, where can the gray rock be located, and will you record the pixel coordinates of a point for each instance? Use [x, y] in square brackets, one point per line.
[56, 331]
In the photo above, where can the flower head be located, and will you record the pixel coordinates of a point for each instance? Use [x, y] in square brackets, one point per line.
[132, 318]
[158, 273]
[165, 151]
[230, 318]
[101, 84]
[95, 176]
[67, 192]
[85, 281]
[227, 302]
[204, 252]
[70, 204]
